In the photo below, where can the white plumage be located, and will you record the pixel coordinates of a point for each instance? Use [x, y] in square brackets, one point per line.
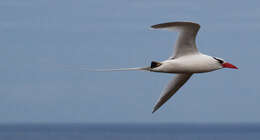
[185, 61]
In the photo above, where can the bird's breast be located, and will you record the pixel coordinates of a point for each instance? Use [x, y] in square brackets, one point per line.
[198, 64]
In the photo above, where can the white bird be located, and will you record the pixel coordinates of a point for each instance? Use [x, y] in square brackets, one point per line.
[185, 61]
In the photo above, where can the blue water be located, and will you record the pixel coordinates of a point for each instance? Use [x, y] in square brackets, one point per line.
[130, 132]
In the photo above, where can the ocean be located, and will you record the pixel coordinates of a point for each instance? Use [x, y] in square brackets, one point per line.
[130, 132]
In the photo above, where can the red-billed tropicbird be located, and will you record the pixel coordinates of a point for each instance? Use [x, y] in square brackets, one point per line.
[185, 61]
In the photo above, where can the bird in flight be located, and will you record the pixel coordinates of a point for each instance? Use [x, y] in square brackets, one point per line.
[185, 61]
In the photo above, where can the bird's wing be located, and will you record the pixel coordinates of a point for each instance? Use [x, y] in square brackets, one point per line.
[171, 89]
[185, 43]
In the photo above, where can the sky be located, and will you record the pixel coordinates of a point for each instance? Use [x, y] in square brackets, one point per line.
[46, 47]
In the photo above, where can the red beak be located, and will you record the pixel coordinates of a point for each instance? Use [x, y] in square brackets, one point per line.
[228, 65]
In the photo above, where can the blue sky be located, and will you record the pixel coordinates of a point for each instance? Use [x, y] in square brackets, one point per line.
[45, 46]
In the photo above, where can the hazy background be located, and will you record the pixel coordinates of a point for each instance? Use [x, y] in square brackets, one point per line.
[44, 44]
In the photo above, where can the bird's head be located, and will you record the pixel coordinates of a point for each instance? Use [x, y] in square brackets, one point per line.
[225, 64]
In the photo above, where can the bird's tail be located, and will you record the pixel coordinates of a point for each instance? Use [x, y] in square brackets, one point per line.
[123, 69]
[153, 65]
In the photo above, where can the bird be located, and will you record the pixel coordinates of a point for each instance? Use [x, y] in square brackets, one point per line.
[185, 61]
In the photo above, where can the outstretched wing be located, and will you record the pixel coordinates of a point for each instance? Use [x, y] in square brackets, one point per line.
[171, 89]
[185, 43]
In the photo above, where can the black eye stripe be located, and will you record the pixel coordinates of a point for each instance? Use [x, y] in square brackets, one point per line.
[219, 60]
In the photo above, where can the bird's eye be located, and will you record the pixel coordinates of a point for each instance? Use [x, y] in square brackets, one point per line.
[219, 60]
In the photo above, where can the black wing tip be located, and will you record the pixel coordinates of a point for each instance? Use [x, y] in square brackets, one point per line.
[169, 24]
[153, 111]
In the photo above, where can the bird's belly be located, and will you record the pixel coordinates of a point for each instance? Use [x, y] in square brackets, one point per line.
[185, 68]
